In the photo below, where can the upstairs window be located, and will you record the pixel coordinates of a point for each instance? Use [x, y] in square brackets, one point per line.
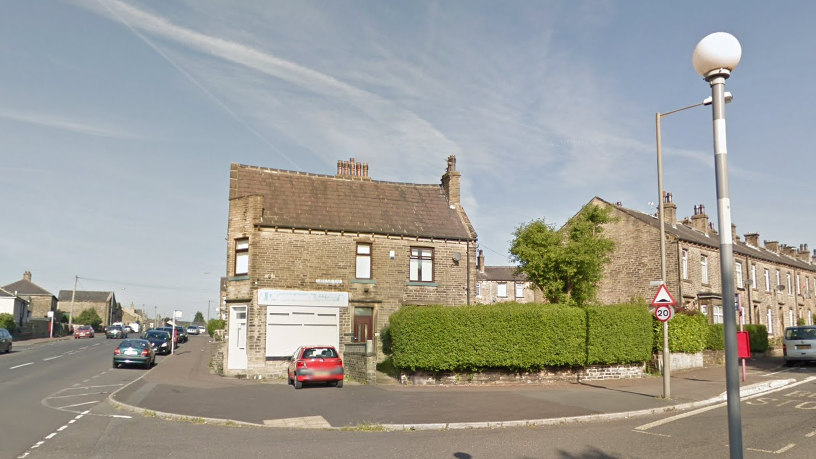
[704, 269]
[519, 290]
[685, 264]
[241, 256]
[501, 290]
[478, 289]
[363, 261]
[790, 284]
[767, 281]
[421, 269]
[778, 279]
[738, 275]
[753, 277]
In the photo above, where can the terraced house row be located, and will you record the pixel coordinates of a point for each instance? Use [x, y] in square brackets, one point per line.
[326, 259]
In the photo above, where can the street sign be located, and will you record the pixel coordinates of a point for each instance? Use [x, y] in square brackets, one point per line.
[664, 312]
[663, 297]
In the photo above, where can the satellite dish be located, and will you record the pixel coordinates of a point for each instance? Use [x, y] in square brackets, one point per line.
[780, 287]
[457, 256]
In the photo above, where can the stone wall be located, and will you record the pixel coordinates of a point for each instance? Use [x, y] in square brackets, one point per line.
[360, 362]
[678, 361]
[501, 377]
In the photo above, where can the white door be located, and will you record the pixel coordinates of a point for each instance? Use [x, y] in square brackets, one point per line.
[237, 357]
[288, 327]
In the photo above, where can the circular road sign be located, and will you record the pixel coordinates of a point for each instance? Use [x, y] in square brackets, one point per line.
[664, 312]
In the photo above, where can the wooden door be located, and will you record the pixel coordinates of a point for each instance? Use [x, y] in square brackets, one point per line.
[363, 324]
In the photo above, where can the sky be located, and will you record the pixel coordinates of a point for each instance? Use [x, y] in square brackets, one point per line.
[119, 120]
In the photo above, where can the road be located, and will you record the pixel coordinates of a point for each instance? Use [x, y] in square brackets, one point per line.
[47, 386]
[777, 424]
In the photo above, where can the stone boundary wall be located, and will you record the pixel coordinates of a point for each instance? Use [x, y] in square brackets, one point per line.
[360, 362]
[678, 361]
[501, 377]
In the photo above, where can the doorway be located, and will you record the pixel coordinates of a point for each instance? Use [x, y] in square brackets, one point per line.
[363, 324]
[237, 357]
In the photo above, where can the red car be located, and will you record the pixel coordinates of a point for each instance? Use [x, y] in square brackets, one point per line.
[84, 331]
[316, 364]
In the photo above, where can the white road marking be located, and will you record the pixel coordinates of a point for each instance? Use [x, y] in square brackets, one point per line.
[76, 395]
[23, 365]
[779, 451]
[50, 436]
[778, 372]
[62, 428]
[811, 434]
[51, 358]
[80, 404]
[120, 416]
[91, 387]
[651, 433]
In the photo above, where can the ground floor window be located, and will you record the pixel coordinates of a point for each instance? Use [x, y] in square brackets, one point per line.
[770, 321]
[718, 314]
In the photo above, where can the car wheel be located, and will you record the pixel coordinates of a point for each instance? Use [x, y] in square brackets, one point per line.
[788, 363]
[147, 365]
[288, 379]
[115, 365]
[298, 384]
[339, 384]
[8, 351]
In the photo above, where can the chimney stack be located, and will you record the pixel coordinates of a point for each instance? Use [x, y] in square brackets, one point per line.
[352, 169]
[752, 239]
[789, 251]
[480, 261]
[450, 182]
[734, 236]
[669, 209]
[699, 220]
[804, 253]
[773, 246]
[27, 276]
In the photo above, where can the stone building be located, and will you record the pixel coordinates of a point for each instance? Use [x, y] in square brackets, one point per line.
[39, 299]
[499, 284]
[326, 259]
[775, 284]
[73, 303]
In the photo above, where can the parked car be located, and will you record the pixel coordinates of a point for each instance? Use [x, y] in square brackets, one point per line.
[160, 340]
[84, 331]
[316, 364]
[135, 326]
[127, 329]
[202, 330]
[116, 331]
[183, 336]
[192, 330]
[134, 352]
[172, 332]
[5, 341]
[799, 344]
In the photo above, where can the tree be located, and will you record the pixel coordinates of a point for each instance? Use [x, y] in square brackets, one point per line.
[199, 317]
[7, 322]
[566, 264]
[88, 317]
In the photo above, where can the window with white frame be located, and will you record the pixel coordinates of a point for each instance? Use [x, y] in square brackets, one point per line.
[501, 290]
[798, 286]
[770, 321]
[790, 284]
[738, 275]
[704, 309]
[767, 281]
[778, 279]
[421, 265]
[241, 256]
[810, 317]
[718, 315]
[753, 277]
[478, 289]
[363, 261]
[685, 264]
[519, 290]
[703, 269]
[790, 318]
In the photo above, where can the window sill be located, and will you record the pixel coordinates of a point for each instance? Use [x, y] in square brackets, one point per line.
[422, 284]
[238, 278]
[362, 281]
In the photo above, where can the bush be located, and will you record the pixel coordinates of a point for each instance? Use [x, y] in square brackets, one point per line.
[618, 334]
[90, 317]
[688, 333]
[716, 337]
[519, 337]
[758, 337]
[7, 322]
[215, 324]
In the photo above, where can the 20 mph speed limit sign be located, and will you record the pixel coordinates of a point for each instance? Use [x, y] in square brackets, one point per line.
[664, 312]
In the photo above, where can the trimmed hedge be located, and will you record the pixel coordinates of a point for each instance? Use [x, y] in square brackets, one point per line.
[716, 337]
[618, 334]
[520, 337]
[688, 333]
[758, 337]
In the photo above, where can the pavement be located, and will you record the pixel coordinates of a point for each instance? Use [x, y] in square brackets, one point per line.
[182, 387]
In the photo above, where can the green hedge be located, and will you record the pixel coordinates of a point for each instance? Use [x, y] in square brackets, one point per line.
[618, 334]
[688, 333]
[519, 337]
[716, 337]
[215, 324]
[758, 336]
[7, 322]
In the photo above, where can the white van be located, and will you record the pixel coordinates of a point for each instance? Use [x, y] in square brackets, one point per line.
[135, 327]
[799, 344]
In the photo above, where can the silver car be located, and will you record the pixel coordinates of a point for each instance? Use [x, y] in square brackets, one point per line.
[799, 344]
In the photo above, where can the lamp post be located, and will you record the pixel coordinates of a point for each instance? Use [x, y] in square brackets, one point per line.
[714, 58]
[661, 201]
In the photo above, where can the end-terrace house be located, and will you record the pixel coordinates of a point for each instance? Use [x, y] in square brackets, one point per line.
[775, 284]
[326, 259]
[40, 300]
[16, 306]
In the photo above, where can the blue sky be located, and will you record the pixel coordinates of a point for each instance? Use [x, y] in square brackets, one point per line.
[119, 120]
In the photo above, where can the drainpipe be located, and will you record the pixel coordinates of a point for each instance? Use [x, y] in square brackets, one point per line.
[468, 273]
[679, 273]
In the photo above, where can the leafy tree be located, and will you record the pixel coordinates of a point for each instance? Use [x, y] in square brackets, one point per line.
[215, 324]
[199, 317]
[7, 322]
[566, 264]
[89, 317]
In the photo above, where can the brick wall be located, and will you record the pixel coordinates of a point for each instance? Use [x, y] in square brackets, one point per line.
[499, 377]
[359, 364]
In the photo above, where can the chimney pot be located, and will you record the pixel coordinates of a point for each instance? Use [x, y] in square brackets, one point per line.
[339, 167]
[365, 169]
[27, 276]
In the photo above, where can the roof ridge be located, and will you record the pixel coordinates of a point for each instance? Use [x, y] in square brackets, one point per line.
[333, 177]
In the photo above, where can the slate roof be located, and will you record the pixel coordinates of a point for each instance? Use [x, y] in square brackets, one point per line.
[501, 274]
[84, 296]
[26, 287]
[687, 234]
[324, 202]
[5, 294]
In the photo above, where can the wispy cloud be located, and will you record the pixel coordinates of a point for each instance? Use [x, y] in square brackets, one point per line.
[65, 123]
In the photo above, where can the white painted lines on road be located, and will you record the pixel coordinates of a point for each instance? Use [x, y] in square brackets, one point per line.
[811, 434]
[779, 451]
[80, 404]
[51, 358]
[23, 365]
[652, 433]
[52, 435]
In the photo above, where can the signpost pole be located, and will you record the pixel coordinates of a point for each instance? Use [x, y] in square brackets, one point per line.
[664, 299]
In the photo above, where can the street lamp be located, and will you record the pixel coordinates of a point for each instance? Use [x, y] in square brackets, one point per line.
[661, 201]
[714, 58]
